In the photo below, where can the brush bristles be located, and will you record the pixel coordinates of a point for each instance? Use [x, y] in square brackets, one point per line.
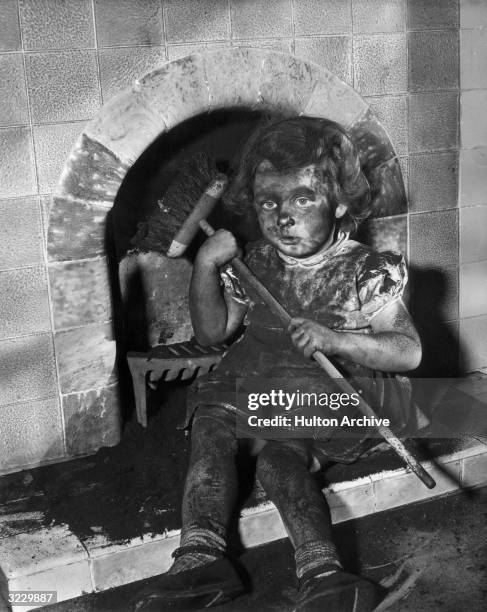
[158, 230]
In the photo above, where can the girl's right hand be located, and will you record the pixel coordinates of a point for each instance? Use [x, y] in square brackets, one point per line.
[218, 249]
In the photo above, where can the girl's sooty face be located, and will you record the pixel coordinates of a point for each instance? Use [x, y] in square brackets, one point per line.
[293, 210]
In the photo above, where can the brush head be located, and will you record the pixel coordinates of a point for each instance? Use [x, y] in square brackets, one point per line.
[158, 231]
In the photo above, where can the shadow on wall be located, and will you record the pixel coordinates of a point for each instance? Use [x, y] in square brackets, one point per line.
[441, 348]
[442, 357]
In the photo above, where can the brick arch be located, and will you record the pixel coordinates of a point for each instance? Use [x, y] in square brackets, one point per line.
[200, 83]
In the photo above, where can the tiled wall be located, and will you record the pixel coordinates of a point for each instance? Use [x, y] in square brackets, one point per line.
[61, 59]
[472, 199]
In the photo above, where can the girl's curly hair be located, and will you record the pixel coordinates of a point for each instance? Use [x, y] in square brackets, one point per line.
[297, 142]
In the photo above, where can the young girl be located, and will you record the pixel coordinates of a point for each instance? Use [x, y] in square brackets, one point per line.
[301, 177]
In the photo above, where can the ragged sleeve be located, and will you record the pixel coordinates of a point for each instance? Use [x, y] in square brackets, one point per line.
[381, 279]
[233, 288]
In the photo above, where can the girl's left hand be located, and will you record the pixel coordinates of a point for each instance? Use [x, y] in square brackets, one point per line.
[309, 336]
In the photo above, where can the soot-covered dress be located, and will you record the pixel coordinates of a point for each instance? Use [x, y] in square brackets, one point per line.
[343, 288]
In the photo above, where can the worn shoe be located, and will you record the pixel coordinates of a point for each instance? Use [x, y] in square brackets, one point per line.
[338, 592]
[194, 589]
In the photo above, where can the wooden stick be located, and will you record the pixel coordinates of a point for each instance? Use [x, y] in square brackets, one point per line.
[276, 308]
[201, 210]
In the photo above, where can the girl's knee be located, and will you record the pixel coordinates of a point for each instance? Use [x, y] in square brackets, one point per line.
[212, 434]
[280, 456]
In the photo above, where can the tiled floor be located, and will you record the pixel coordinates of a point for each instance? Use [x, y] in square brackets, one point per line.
[426, 564]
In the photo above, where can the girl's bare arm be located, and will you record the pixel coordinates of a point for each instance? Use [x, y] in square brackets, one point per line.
[213, 317]
[393, 346]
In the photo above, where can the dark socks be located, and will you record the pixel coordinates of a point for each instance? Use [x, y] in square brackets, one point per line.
[198, 547]
[316, 558]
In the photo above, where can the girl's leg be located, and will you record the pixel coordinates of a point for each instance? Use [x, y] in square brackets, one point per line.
[284, 474]
[283, 470]
[199, 578]
[210, 490]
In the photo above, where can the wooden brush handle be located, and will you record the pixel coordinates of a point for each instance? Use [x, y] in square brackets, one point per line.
[276, 308]
[201, 210]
